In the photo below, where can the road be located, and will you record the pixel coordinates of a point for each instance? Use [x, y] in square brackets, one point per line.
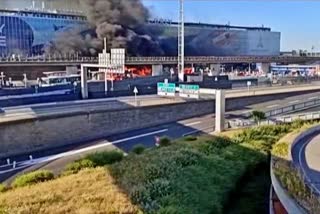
[306, 155]
[125, 141]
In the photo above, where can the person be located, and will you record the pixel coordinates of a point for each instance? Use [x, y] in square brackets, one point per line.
[157, 139]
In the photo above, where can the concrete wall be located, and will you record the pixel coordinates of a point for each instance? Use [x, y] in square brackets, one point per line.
[46, 132]
[50, 132]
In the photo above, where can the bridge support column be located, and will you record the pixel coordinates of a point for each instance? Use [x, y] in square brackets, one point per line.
[220, 111]
[264, 67]
[157, 70]
[84, 82]
[215, 69]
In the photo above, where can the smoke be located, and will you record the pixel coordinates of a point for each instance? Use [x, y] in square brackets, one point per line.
[115, 20]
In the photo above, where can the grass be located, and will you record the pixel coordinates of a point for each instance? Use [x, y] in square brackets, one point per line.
[89, 191]
[33, 178]
[3, 188]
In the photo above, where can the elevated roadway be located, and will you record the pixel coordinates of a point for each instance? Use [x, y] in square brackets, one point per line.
[85, 106]
[5, 62]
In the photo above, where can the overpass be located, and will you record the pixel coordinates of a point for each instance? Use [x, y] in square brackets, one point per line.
[165, 60]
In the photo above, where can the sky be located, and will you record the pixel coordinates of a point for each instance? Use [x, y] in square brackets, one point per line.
[298, 21]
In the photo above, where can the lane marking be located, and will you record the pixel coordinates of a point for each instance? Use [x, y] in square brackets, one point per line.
[303, 148]
[312, 98]
[74, 152]
[295, 101]
[192, 124]
[273, 106]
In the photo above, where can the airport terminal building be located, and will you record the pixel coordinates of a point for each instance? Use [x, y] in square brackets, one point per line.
[29, 29]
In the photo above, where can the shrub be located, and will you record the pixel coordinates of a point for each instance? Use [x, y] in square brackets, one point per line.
[281, 150]
[33, 178]
[3, 188]
[190, 138]
[75, 167]
[164, 141]
[258, 116]
[105, 158]
[138, 149]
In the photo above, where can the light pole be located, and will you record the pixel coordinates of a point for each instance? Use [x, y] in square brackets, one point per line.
[181, 42]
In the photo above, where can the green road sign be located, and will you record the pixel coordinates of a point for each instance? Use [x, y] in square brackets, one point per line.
[166, 89]
[189, 91]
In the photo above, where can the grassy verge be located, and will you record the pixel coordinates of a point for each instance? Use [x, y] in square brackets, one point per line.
[89, 191]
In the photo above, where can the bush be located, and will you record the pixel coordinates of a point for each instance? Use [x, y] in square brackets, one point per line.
[138, 149]
[257, 116]
[190, 138]
[3, 188]
[105, 158]
[75, 167]
[164, 141]
[281, 150]
[33, 178]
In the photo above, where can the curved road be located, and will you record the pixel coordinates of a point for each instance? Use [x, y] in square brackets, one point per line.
[306, 155]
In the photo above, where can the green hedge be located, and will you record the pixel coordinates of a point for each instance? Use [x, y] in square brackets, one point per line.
[33, 178]
[76, 166]
[105, 157]
[138, 149]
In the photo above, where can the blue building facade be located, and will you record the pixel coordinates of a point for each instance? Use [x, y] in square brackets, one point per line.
[27, 32]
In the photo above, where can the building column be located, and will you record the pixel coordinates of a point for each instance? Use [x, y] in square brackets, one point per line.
[264, 67]
[157, 70]
[220, 111]
[215, 69]
[84, 82]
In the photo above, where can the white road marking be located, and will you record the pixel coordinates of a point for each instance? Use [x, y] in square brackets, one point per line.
[192, 124]
[312, 98]
[272, 106]
[295, 101]
[74, 152]
[303, 169]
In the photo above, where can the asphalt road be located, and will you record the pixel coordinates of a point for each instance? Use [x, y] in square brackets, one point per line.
[306, 155]
[54, 159]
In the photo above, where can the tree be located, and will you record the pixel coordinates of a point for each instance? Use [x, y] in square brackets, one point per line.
[258, 116]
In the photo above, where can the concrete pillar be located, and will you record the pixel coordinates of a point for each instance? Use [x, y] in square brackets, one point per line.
[264, 67]
[220, 110]
[84, 82]
[157, 70]
[215, 69]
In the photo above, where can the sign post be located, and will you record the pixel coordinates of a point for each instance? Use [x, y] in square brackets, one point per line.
[189, 91]
[135, 91]
[249, 84]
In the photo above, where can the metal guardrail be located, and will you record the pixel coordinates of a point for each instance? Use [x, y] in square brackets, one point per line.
[273, 117]
[294, 107]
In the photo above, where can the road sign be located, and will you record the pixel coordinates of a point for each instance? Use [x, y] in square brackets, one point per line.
[166, 89]
[189, 91]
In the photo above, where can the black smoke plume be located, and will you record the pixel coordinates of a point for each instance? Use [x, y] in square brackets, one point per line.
[115, 20]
